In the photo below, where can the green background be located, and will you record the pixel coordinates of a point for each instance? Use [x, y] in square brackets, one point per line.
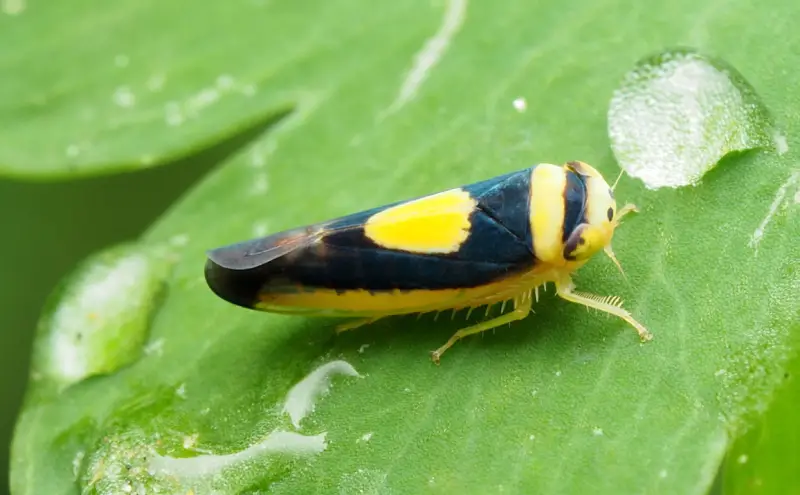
[569, 70]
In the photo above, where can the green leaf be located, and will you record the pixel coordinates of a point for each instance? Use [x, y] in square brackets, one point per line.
[393, 100]
[765, 460]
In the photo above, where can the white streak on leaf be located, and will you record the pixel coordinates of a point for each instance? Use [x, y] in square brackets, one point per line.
[758, 234]
[277, 442]
[781, 145]
[300, 401]
[431, 53]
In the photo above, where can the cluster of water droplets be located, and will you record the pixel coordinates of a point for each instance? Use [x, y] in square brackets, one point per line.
[678, 113]
[97, 320]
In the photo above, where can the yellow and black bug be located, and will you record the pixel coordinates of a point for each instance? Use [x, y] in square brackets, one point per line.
[489, 242]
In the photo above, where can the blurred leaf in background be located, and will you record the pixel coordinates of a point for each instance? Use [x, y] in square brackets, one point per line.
[389, 101]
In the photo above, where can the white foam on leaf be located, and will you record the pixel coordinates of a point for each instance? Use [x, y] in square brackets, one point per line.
[277, 442]
[301, 399]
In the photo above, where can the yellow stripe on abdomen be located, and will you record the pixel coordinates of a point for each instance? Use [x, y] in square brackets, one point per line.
[362, 303]
[547, 212]
[357, 302]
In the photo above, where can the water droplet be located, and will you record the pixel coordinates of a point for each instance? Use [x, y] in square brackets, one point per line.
[260, 184]
[598, 432]
[260, 230]
[12, 7]
[179, 240]
[173, 115]
[676, 114]
[520, 104]
[225, 82]
[201, 100]
[257, 159]
[97, 321]
[122, 60]
[181, 391]
[155, 83]
[77, 461]
[124, 97]
[190, 441]
[781, 145]
[73, 150]
[155, 348]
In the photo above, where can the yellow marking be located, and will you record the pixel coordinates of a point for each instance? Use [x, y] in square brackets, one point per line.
[363, 304]
[360, 302]
[547, 212]
[433, 224]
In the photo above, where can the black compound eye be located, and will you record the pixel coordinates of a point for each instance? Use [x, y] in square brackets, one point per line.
[610, 214]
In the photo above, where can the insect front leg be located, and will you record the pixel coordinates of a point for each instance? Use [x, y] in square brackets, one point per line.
[522, 306]
[608, 304]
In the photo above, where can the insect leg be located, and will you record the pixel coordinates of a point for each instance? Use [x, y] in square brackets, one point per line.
[608, 304]
[353, 324]
[522, 306]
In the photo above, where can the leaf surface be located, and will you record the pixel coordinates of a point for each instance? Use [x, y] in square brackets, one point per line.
[392, 100]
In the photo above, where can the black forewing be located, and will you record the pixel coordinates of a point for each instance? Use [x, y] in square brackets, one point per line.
[337, 255]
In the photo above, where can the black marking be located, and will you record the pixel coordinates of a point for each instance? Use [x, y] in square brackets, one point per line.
[574, 204]
[507, 200]
[610, 214]
[572, 243]
[338, 255]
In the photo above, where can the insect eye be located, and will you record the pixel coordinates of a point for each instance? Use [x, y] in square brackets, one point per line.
[610, 214]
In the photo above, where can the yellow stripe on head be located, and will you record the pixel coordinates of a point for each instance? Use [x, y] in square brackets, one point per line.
[547, 211]
[601, 208]
[439, 223]
[600, 217]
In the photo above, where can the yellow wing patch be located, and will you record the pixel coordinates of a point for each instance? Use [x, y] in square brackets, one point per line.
[547, 211]
[434, 224]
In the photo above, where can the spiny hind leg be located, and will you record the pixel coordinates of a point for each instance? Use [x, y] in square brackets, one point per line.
[353, 324]
[522, 306]
[608, 304]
